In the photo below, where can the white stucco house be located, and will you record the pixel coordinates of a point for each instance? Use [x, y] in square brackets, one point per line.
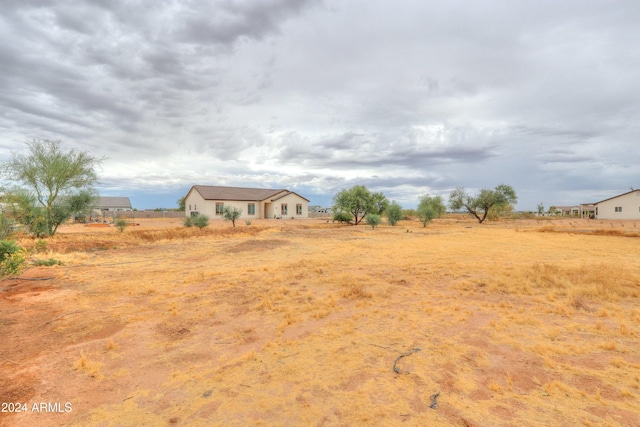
[254, 203]
[622, 206]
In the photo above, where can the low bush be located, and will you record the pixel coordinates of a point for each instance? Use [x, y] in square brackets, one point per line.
[409, 213]
[201, 221]
[46, 262]
[120, 224]
[40, 246]
[12, 258]
[8, 247]
[6, 226]
[373, 220]
[342, 217]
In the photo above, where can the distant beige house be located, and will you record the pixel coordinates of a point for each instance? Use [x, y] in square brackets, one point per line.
[583, 210]
[622, 206]
[109, 206]
[253, 202]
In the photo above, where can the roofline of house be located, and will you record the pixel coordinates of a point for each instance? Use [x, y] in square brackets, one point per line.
[614, 197]
[276, 191]
[289, 192]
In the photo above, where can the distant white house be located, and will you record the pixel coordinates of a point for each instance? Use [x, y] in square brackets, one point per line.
[622, 206]
[319, 210]
[253, 202]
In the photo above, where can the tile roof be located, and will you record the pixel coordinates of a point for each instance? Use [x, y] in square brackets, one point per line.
[113, 202]
[286, 194]
[210, 192]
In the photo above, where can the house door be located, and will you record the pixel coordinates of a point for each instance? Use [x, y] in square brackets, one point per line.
[267, 208]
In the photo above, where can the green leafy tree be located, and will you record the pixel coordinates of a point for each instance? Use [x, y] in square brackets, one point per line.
[181, 203]
[379, 202]
[540, 209]
[430, 208]
[373, 220]
[480, 205]
[55, 184]
[359, 201]
[231, 213]
[394, 213]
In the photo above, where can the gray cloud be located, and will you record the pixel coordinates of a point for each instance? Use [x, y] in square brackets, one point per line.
[405, 97]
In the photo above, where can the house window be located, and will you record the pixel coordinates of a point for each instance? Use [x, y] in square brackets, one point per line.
[251, 209]
[194, 214]
[283, 209]
[298, 209]
[219, 208]
[189, 207]
[618, 208]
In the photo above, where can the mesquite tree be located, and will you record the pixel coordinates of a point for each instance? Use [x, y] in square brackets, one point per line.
[480, 205]
[358, 201]
[55, 184]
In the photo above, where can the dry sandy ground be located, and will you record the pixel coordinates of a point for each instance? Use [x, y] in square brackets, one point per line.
[309, 323]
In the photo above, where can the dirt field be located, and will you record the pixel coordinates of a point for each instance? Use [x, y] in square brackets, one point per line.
[309, 323]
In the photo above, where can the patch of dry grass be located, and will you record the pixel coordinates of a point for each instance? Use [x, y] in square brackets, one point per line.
[90, 367]
[600, 281]
[282, 324]
[620, 232]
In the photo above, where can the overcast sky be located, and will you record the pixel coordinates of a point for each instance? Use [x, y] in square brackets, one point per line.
[405, 97]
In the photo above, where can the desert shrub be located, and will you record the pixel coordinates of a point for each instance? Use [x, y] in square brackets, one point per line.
[40, 246]
[524, 215]
[430, 208]
[500, 211]
[200, 221]
[6, 226]
[342, 216]
[7, 247]
[121, 224]
[46, 262]
[409, 213]
[188, 222]
[248, 222]
[12, 258]
[373, 220]
[394, 213]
